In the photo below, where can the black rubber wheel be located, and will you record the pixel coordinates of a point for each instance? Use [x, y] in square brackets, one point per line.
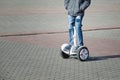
[83, 54]
[64, 55]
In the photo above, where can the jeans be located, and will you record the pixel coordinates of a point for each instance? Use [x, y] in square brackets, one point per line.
[75, 21]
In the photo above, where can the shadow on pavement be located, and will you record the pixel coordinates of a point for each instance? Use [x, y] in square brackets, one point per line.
[97, 58]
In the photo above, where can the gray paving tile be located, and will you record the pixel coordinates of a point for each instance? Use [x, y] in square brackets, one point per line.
[32, 62]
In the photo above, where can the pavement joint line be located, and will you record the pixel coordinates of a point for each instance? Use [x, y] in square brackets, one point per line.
[59, 32]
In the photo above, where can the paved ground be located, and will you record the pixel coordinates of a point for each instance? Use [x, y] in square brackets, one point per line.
[32, 31]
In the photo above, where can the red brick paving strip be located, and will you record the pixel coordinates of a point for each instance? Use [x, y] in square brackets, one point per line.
[26, 11]
[96, 46]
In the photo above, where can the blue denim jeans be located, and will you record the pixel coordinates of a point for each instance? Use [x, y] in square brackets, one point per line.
[75, 21]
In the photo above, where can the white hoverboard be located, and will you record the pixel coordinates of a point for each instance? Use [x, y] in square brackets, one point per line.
[82, 52]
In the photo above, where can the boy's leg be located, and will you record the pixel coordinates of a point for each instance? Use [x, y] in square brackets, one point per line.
[78, 25]
[71, 21]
